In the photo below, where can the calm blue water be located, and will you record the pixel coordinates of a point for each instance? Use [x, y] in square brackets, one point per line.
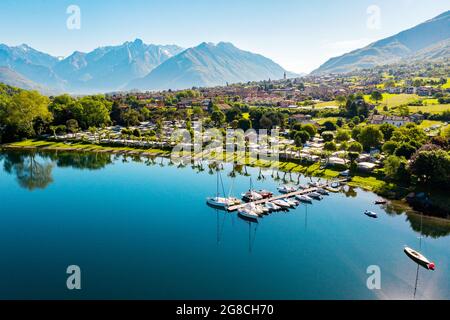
[142, 231]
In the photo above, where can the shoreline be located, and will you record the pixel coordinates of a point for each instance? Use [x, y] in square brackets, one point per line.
[366, 182]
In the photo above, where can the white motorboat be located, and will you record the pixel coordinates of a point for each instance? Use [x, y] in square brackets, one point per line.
[291, 202]
[419, 258]
[263, 209]
[248, 214]
[282, 204]
[323, 192]
[272, 206]
[251, 195]
[304, 198]
[286, 189]
[315, 196]
[313, 184]
[371, 214]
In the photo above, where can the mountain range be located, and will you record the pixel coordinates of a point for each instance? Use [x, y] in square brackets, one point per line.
[427, 41]
[134, 65]
[209, 65]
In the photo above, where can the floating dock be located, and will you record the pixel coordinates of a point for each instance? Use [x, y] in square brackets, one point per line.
[283, 196]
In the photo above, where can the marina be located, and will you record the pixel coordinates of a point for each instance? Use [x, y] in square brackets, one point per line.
[301, 192]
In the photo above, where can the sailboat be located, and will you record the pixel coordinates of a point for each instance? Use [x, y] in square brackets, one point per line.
[221, 202]
[251, 195]
[419, 258]
[416, 256]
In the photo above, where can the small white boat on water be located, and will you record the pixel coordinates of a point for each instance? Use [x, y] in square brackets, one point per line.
[371, 214]
[290, 202]
[419, 258]
[282, 204]
[323, 192]
[315, 196]
[251, 196]
[332, 189]
[220, 202]
[272, 207]
[262, 209]
[313, 184]
[248, 214]
[303, 198]
[286, 189]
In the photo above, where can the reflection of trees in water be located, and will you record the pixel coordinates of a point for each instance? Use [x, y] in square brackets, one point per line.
[349, 192]
[31, 174]
[33, 170]
[395, 208]
[432, 227]
[89, 161]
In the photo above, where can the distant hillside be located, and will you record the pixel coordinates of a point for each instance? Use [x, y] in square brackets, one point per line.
[209, 65]
[14, 79]
[32, 64]
[428, 40]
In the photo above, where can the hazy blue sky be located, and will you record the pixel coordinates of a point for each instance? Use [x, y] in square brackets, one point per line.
[298, 34]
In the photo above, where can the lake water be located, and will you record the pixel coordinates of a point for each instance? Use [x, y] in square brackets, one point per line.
[141, 230]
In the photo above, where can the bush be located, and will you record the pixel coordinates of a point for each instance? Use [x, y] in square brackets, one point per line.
[330, 146]
[405, 150]
[355, 147]
[342, 135]
[327, 136]
[390, 147]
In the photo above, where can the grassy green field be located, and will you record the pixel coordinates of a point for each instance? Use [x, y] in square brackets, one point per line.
[326, 104]
[447, 85]
[394, 100]
[429, 123]
[434, 109]
[321, 121]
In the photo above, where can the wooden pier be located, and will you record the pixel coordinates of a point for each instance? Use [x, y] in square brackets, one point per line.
[283, 196]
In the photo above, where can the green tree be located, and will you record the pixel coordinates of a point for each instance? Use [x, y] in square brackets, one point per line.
[301, 137]
[265, 123]
[218, 118]
[20, 112]
[330, 146]
[130, 117]
[95, 111]
[244, 124]
[370, 137]
[355, 133]
[311, 129]
[405, 150]
[390, 147]
[342, 135]
[327, 136]
[329, 126]
[432, 167]
[395, 168]
[72, 126]
[355, 147]
[376, 96]
[387, 129]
